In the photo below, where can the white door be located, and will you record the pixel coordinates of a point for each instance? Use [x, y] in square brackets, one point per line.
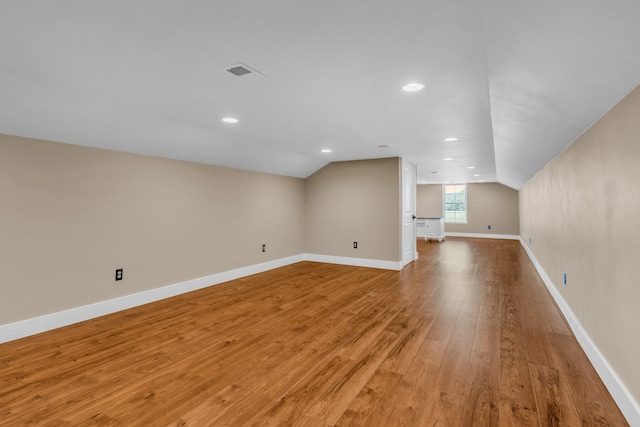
[408, 213]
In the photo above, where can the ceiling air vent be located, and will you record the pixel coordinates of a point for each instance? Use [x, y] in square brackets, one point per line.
[239, 70]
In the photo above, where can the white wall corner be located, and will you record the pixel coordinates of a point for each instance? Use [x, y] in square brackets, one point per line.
[614, 384]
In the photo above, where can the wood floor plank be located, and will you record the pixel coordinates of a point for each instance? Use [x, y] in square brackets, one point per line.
[375, 321]
[412, 326]
[465, 335]
[20, 401]
[411, 336]
[534, 327]
[555, 407]
[591, 399]
[453, 374]
[296, 403]
[246, 411]
[333, 401]
[449, 308]
[210, 407]
[442, 410]
[306, 421]
[517, 400]
[371, 401]
[232, 406]
[481, 399]
[548, 311]
[409, 398]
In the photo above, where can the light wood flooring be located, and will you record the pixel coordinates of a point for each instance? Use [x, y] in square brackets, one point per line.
[466, 335]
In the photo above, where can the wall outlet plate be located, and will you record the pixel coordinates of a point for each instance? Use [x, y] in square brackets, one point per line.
[119, 274]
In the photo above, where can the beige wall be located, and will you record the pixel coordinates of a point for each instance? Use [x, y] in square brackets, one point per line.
[429, 200]
[355, 201]
[487, 203]
[70, 215]
[582, 213]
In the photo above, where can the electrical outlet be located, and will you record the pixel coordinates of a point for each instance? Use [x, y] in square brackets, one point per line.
[119, 274]
[264, 248]
[489, 227]
[355, 245]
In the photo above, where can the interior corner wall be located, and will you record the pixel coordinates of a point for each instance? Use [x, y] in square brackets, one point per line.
[487, 204]
[582, 214]
[354, 201]
[71, 215]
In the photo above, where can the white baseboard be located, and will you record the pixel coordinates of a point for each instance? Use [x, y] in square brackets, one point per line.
[483, 235]
[356, 262]
[616, 387]
[47, 322]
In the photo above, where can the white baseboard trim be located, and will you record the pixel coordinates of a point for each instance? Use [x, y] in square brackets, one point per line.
[616, 387]
[483, 235]
[47, 322]
[356, 262]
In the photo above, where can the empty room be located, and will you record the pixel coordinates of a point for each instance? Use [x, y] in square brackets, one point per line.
[328, 213]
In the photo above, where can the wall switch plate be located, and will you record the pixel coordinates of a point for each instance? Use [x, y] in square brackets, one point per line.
[119, 274]
[355, 245]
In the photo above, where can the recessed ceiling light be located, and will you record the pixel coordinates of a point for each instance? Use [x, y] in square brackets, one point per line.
[451, 139]
[471, 167]
[448, 158]
[326, 150]
[477, 174]
[230, 120]
[413, 87]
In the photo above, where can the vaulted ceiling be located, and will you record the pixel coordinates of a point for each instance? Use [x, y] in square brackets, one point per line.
[514, 81]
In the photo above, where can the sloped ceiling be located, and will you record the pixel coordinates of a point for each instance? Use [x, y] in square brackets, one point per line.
[514, 81]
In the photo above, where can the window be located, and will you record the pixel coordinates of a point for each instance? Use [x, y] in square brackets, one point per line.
[455, 203]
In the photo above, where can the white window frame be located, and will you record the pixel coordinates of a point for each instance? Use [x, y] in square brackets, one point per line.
[444, 203]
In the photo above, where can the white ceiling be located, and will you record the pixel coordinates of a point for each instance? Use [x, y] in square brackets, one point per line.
[516, 81]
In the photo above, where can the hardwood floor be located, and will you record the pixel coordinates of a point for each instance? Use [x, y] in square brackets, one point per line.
[466, 335]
